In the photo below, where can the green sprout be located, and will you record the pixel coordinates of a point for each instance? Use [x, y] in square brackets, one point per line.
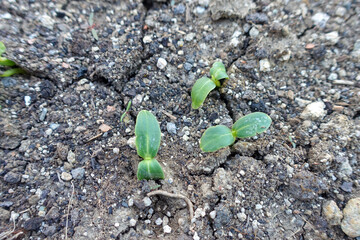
[8, 63]
[126, 111]
[92, 26]
[148, 136]
[205, 85]
[221, 136]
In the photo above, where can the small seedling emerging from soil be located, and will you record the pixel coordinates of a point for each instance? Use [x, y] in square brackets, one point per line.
[8, 63]
[221, 136]
[205, 85]
[126, 111]
[92, 27]
[148, 136]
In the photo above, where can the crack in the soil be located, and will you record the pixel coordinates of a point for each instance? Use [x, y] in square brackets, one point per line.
[304, 32]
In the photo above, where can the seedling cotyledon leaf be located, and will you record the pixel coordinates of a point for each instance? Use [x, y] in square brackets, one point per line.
[148, 136]
[205, 85]
[221, 136]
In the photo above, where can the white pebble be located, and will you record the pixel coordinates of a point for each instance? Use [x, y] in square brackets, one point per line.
[27, 100]
[265, 65]
[66, 176]
[147, 39]
[333, 76]
[147, 201]
[158, 221]
[167, 229]
[116, 150]
[132, 222]
[161, 63]
[212, 214]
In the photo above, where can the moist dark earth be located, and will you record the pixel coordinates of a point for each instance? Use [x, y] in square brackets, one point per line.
[68, 164]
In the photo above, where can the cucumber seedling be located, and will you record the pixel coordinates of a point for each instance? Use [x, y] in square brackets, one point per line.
[221, 136]
[8, 63]
[205, 85]
[148, 136]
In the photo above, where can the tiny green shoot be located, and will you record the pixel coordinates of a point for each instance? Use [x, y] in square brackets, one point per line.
[148, 136]
[221, 136]
[205, 85]
[126, 111]
[92, 26]
[8, 63]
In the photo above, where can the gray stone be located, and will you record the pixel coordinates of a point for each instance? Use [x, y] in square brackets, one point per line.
[8, 82]
[257, 18]
[171, 128]
[332, 213]
[254, 32]
[78, 173]
[4, 215]
[351, 221]
[43, 114]
[230, 8]
[33, 223]
[346, 187]
[179, 9]
[12, 177]
[49, 230]
[6, 204]
[223, 218]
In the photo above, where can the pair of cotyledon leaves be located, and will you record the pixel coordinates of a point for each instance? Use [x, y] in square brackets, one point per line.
[205, 85]
[148, 136]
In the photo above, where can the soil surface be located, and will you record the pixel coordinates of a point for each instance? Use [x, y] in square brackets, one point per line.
[68, 164]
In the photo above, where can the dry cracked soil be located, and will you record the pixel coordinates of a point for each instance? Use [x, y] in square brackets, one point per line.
[68, 164]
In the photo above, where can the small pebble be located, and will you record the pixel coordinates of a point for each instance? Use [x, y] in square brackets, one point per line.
[66, 176]
[333, 76]
[116, 150]
[27, 100]
[265, 65]
[132, 222]
[48, 131]
[147, 201]
[254, 32]
[167, 229]
[212, 214]
[171, 128]
[161, 63]
[158, 221]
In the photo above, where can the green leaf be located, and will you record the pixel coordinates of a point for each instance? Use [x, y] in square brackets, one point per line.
[148, 135]
[218, 71]
[150, 169]
[94, 33]
[91, 18]
[200, 90]
[6, 62]
[11, 72]
[215, 138]
[2, 48]
[251, 124]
